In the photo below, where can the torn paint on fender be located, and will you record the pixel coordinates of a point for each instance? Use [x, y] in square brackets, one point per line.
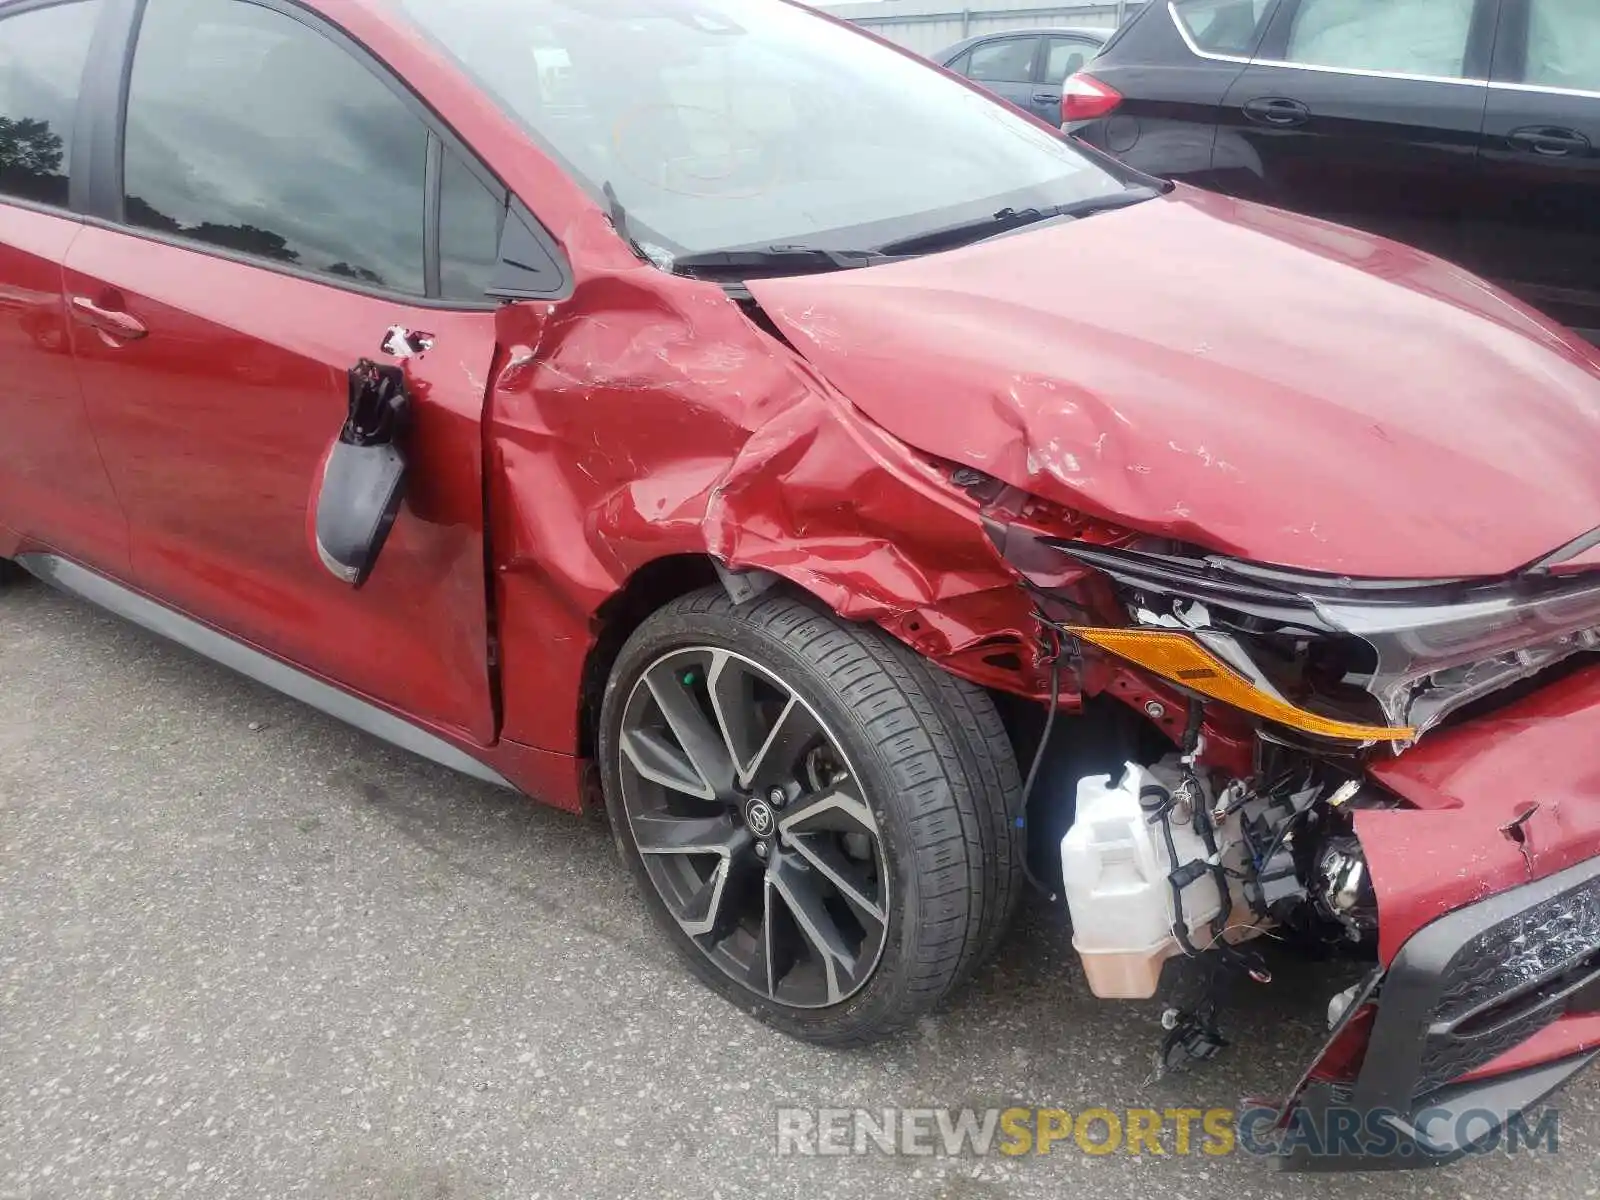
[648, 417]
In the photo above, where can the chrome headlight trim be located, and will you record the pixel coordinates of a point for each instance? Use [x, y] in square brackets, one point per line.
[1437, 645]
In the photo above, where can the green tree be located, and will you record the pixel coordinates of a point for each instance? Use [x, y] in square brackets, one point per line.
[28, 146]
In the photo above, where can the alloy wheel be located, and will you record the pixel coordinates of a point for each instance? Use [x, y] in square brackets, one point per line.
[753, 827]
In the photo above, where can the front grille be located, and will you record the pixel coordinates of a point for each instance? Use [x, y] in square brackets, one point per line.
[1521, 950]
[1586, 1001]
[1479, 980]
[1509, 981]
[1446, 1058]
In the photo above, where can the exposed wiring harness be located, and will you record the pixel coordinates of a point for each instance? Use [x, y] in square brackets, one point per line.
[1056, 641]
[1051, 649]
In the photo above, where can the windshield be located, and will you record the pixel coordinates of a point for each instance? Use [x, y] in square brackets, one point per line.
[722, 124]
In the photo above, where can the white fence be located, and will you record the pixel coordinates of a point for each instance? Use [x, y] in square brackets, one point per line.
[927, 26]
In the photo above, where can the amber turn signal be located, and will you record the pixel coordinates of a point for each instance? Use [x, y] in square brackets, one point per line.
[1178, 657]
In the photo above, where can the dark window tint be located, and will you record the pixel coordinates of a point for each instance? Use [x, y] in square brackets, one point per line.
[1066, 57]
[1007, 61]
[961, 63]
[42, 56]
[250, 130]
[1406, 37]
[470, 217]
[1564, 44]
[1223, 26]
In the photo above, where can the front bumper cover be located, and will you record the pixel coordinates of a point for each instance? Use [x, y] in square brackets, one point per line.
[1456, 1011]
[1455, 1121]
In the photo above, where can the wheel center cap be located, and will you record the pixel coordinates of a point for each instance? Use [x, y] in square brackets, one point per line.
[758, 815]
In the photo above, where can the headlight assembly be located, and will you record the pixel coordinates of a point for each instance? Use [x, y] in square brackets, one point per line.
[1183, 660]
[1357, 660]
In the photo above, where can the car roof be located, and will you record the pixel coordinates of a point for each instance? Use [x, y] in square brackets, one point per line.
[1102, 36]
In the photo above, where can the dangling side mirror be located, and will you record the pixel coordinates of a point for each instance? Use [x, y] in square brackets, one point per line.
[364, 476]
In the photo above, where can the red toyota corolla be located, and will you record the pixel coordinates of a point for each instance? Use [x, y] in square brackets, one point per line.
[701, 408]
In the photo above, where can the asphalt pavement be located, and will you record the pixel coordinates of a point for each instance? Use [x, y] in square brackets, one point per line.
[246, 951]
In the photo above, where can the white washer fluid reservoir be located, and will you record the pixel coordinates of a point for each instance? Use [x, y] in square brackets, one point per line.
[1115, 866]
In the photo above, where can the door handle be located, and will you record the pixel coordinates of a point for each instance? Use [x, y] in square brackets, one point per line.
[114, 325]
[1277, 110]
[1047, 97]
[1552, 141]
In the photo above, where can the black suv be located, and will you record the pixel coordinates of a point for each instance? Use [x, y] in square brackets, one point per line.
[1470, 128]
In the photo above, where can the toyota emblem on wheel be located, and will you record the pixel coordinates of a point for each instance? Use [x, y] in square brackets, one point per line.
[760, 817]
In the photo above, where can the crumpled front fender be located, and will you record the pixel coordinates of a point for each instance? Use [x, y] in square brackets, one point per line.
[648, 417]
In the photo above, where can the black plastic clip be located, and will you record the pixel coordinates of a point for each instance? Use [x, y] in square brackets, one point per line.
[380, 409]
[1192, 1037]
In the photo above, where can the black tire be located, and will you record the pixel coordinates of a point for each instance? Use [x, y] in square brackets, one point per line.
[10, 572]
[933, 763]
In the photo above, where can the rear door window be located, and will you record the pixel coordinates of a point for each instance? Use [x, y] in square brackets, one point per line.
[1564, 44]
[1224, 26]
[1406, 37]
[1065, 57]
[42, 56]
[1008, 60]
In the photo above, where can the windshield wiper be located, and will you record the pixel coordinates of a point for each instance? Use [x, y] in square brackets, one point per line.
[773, 260]
[1008, 219]
[619, 222]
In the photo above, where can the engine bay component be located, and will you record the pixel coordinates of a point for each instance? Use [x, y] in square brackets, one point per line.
[1343, 887]
[1159, 863]
[1191, 1037]
[1268, 822]
[1340, 1004]
[1138, 876]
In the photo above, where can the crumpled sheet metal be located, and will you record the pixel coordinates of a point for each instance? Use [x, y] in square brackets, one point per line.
[1469, 783]
[658, 420]
[1261, 384]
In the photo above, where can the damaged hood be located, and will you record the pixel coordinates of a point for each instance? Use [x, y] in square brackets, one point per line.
[1265, 385]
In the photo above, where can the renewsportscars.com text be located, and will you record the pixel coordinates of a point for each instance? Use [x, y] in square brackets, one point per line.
[1180, 1132]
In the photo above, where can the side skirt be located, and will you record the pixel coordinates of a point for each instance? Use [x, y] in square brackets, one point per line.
[220, 648]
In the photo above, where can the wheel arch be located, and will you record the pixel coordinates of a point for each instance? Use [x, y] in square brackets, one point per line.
[650, 588]
[662, 580]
